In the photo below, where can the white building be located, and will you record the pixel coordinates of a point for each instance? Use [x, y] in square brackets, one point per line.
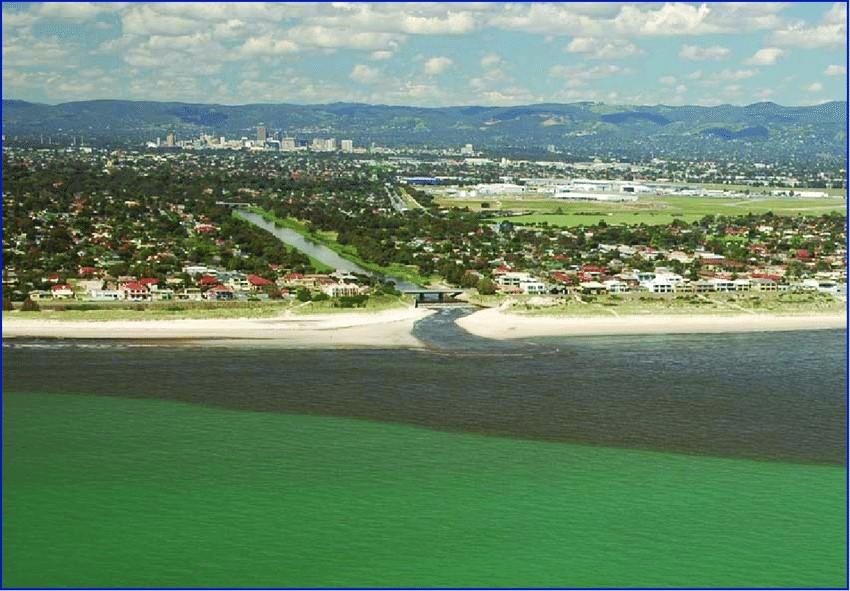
[615, 286]
[513, 278]
[347, 146]
[659, 284]
[337, 290]
[104, 295]
[533, 287]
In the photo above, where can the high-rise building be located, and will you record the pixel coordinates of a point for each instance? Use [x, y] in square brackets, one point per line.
[467, 150]
[347, 146]
[261, 134]
[169, 139]
[288, 143]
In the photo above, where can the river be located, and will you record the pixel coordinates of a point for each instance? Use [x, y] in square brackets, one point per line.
[318, 251]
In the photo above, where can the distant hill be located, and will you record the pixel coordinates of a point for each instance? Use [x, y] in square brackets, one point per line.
[758, 131]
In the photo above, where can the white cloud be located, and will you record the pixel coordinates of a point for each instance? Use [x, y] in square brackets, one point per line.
[766, 56]
[144, 20]
[835, 70]
[576, 76]
[830, 32]
[437, 65]
[77, 11]
[667, 80]
[409, 19]
[267, 46]
[380, 55]
[324, 37]
[365, 74]
[25, 50]
[491, 60]
[638, 20]
[814, 87]
[699, 54]
[603, 49]
[731, 75]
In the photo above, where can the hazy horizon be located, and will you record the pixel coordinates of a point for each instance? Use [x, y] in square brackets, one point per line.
[411, 106]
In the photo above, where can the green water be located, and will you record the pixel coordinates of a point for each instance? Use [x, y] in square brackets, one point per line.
[101, 491]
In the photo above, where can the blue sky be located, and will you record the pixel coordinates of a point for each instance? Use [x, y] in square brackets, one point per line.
[429, 54]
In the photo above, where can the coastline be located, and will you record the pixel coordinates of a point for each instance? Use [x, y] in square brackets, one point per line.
[493, 323]
[384, 329]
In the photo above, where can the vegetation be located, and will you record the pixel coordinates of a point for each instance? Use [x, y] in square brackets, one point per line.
[650, 210]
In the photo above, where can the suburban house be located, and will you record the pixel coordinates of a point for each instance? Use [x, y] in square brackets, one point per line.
[134, 291]
[533, 287]
[193, 294]
[104, 295]
[258, 283]
[336, 290]
[659, 284]
[616, 286]
[219, 293]
[61, 291]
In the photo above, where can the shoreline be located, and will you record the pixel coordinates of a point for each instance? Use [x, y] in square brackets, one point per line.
[384, 329]
[493, 323]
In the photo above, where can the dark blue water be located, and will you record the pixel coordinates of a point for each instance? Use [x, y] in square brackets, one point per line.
[771, 396]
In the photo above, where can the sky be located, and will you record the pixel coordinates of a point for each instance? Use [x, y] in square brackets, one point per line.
[426, 54]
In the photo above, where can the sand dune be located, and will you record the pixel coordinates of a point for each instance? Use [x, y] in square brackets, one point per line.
[495, 324]
[390, 328]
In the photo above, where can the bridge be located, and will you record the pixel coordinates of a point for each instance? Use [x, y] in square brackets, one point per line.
[437, 295]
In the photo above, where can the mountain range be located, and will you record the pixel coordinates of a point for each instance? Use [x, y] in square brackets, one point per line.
[759, 132]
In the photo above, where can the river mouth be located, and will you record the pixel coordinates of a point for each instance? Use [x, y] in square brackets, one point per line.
[684, 393]
[441, 335]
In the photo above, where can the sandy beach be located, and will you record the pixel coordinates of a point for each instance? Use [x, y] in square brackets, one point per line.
[389, 328]
[493, 323]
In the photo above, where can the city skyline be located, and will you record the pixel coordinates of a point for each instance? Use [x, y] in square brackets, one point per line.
[426, 54]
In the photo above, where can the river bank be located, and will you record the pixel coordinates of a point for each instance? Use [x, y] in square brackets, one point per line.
[383, 329]
[493, 323]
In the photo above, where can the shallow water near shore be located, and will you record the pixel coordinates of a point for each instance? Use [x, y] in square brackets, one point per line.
[711, 460]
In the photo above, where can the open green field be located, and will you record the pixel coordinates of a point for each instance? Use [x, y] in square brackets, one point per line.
[650, 210]
[112, 492]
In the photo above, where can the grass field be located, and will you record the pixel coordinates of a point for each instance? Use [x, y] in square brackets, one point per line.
[651, 210]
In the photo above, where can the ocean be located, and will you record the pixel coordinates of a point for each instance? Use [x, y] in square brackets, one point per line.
[684, 460]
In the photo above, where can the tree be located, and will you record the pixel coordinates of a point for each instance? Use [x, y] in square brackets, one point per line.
[303, 295]
[30, 305]
[486, 287]
[7, 304]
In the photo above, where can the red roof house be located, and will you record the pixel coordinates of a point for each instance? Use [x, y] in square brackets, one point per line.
[257, 281]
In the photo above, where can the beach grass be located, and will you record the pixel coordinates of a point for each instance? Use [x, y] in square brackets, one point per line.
[375, 303]
[104, 312]
[644, 304]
